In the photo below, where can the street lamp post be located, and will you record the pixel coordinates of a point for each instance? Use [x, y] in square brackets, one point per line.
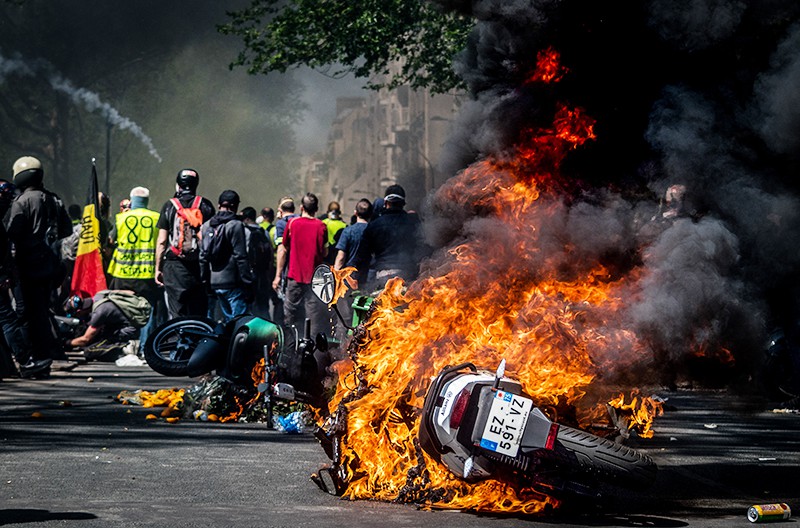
[107, 187]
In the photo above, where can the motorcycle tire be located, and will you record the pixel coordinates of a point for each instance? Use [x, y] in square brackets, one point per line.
[606, 460]
[167, 352]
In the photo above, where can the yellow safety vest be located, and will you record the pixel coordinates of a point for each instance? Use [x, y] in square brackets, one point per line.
[333, 226]
[135, 254]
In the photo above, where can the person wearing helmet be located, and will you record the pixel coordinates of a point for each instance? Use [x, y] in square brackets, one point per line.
[178, 249]
[36, 222]
[13, 331]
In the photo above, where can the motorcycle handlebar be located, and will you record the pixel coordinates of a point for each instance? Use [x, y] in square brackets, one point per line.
[307, 330]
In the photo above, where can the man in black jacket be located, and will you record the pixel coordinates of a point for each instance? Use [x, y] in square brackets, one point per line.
[36, 222]
[16, 343]
[224, 264]
[390, 245]
[262, 263]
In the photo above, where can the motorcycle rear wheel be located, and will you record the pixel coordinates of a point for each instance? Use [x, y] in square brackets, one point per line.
[167, 351]
[606, 460]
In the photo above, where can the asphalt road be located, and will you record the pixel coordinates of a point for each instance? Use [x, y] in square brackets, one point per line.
[97, 463]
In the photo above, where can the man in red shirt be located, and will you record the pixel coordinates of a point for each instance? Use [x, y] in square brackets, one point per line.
[305, 241]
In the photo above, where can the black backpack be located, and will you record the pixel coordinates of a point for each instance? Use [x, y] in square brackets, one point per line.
[215, 246]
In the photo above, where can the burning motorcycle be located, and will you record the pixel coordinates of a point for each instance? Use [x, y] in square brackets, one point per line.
[481, 425]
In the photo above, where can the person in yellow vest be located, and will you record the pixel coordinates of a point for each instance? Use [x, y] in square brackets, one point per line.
[267, 223]
[333, 227]
[133, 264]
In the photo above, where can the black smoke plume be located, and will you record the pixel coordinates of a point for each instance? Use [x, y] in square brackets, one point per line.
[704, 95]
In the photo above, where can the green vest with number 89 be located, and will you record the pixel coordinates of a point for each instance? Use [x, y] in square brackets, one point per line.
[135, 254]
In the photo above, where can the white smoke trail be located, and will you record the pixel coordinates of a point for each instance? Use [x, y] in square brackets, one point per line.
[90, 100]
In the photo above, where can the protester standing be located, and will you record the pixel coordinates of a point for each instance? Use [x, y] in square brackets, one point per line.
[36, 222]
[267, 223]
[347, 247]
[304, 241]
[390, 245]
[133, 263]
[262, 264]
[16, 343]
[274, 303]
[333, 226]
[178, 247]
[224, 266]
[346, 251]
[285, 213]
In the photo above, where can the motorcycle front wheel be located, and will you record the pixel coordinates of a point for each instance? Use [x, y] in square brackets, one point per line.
[170, 347]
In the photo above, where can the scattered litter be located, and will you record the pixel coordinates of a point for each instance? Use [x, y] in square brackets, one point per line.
[65, 403]
[767, 459]
[90, 380]
[787, 411]
[293, 422]
[130, 361]
[151, 417]
[769, 512]
[200, 415]
[673, 439]
[36, 414]
[171, 412]
[710, 426]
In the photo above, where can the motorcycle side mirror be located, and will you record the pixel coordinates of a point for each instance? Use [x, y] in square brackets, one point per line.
[323, 283]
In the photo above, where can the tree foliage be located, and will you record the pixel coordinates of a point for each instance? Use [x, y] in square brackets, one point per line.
[365, 38]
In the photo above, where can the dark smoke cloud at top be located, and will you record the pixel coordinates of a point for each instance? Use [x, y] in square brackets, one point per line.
[699, 93]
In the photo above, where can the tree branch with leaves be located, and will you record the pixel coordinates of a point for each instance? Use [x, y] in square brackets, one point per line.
[366, 38]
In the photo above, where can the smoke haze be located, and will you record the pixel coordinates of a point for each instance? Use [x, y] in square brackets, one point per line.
[702, 94]
[159, 73]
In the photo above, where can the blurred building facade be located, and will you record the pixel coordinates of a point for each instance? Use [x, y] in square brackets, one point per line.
[386, 137]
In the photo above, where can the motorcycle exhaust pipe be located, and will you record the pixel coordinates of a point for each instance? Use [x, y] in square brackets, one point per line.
[207, 356]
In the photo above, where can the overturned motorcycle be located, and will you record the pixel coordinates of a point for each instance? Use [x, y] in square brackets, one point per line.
[478, 424]
[289, 365]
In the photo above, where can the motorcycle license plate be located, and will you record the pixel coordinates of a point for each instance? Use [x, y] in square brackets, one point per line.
[507, 418]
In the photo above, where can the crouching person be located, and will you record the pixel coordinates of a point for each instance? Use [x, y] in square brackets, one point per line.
[115, 317]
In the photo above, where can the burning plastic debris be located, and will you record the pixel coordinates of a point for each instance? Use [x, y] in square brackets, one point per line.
[638, 415]
[215, 399]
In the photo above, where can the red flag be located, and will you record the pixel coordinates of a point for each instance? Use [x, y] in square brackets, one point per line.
[88, 277]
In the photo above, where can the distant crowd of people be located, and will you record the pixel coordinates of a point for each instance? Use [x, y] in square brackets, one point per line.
[190, 258]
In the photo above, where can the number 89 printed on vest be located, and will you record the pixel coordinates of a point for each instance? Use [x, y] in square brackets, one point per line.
[136, 234]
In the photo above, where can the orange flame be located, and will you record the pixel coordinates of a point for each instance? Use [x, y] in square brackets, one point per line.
[546, 322]
[639, 413]
[515, 295]
[257, 375]
[548, 67]
[343, 280]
